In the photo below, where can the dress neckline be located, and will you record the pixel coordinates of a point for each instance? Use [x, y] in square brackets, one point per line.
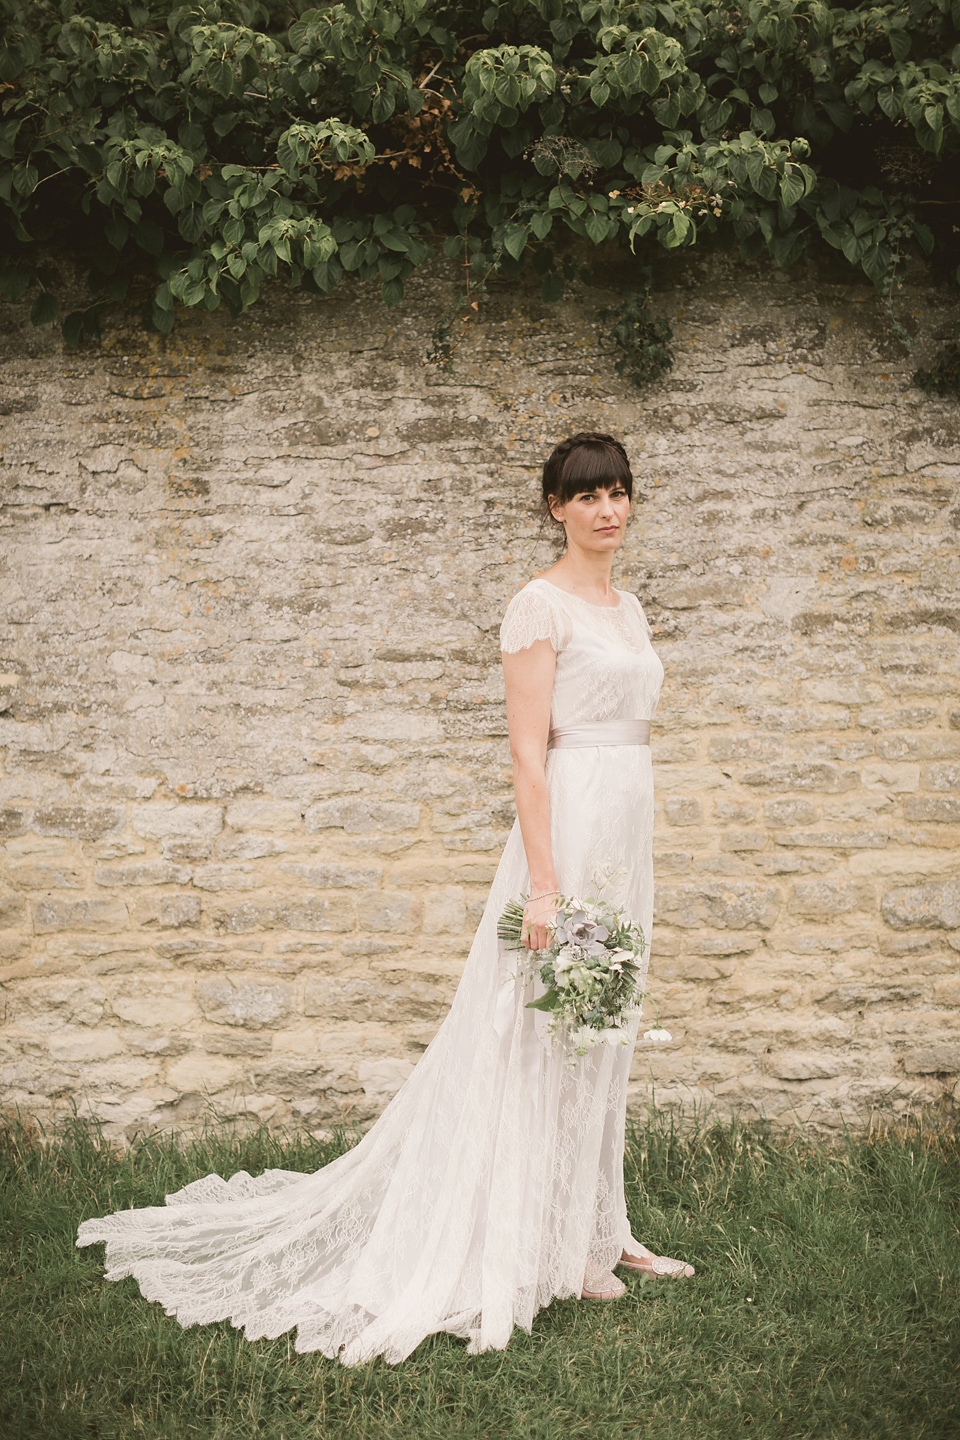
[592, 603]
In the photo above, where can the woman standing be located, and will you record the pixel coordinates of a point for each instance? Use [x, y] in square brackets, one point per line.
[493, 1181]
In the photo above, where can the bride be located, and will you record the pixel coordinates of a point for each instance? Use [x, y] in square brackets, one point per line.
[493, 1181]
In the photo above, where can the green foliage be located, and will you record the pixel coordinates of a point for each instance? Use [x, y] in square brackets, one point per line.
[205, 147]
[643, 338]
[943, 377]
[824, 1308]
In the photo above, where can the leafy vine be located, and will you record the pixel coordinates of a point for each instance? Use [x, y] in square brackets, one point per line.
[201, 150]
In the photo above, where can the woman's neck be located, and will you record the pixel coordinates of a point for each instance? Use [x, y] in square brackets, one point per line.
[584, 575]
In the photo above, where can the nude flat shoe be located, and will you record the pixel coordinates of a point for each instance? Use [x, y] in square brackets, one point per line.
[661, 1266]
[604, 1286]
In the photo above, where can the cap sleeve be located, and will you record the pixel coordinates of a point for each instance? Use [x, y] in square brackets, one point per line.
[531, 616]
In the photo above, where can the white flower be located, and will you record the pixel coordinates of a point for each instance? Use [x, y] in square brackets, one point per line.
[584, 1039]
[658, 1037]
[565, 959]
[614, 1035]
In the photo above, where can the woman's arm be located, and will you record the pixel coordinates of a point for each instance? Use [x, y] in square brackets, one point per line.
[528, 675]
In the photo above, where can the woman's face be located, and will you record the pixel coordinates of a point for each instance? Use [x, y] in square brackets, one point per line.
[595, 520]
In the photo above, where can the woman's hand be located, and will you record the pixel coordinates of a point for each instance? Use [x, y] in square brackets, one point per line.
[538, 921]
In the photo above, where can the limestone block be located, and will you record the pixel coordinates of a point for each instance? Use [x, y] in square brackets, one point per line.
[744, 943]
[797, 775]
[333, 877]
[735, 840]
[175, 848]
[941, 777]
[822, 898]
[803, 1065]
[78, 822]
[395, 725]
[265, 815]
[159, 872]
[833, 839]
[253, 1006]
[235, 1042]
[359, 817]
[309, 913]
[140, 1002]
[941, 809]
[935, 906]
[683, 810]
[691, 968]
[44, 877]
[250, 846]
[895, 779]
[227, 877]
[381, 1079]
[14, 820]
[12, 909]
[205, 1073]
[155, 1042]
[161, 820]
[783, 814]
[377, 999]
[733, 812]
[444, 911]
[938, 1058]
[696, 778]
[724, 906]
[291, 1077]
[396, 911]
[45, 1005]
[904, 861]
[179, 910]
[84, 1046]
[81, 914]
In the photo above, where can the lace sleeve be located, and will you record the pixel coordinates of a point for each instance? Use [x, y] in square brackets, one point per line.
[639, 609]
[531, 616]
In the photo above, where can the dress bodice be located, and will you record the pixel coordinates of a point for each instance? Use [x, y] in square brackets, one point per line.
[606, 667]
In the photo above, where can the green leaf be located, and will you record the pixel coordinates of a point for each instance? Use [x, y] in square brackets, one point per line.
[515, 240]
[547, 1001]
[327, 274]
[900, 44]
[13, 283]
[392, 292]
[116, 231]
[25, 178]
[792, 187]
[44, 309]
[72, 329]
[552, 287]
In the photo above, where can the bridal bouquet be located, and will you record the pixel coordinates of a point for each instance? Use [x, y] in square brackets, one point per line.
[590, 971]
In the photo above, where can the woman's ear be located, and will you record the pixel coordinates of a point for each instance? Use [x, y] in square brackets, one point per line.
[553, 506]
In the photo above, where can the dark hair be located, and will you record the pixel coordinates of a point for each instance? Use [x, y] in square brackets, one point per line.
[586, 461]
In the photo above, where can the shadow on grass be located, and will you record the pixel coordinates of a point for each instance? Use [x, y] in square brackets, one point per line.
[825, 1304]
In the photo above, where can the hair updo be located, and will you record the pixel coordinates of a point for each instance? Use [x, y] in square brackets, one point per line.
[585, 461]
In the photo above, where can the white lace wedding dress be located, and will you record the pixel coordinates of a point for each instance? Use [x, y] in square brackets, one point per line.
[493, 1181]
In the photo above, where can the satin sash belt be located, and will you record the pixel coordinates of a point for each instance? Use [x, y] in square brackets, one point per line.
[600, 732]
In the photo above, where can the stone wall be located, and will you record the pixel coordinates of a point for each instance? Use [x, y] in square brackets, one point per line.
[255, 772]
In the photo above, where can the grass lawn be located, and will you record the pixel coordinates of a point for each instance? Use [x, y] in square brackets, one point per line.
[826, 1304]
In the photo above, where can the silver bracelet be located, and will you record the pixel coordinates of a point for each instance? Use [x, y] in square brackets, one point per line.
[543, 896]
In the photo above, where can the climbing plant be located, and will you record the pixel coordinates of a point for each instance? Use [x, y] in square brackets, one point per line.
[205, 147]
